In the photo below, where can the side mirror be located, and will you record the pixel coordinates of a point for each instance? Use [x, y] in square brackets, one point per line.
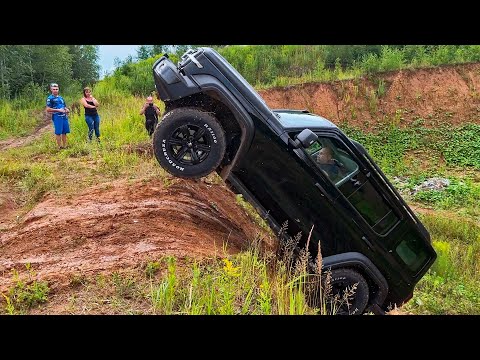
[306, 138]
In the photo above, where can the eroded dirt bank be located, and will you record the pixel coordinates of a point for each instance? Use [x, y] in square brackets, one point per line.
[121, 224]
[429, 97]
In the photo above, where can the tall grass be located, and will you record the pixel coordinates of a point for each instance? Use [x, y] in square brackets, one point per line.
[16, 120]
[451, 286]
[83, 163]
[247, 283]
[255, 282]
[282, 65]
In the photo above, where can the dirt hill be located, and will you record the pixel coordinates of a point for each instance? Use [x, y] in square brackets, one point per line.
[122, 224]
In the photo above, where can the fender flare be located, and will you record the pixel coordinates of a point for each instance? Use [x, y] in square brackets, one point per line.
[209, 83]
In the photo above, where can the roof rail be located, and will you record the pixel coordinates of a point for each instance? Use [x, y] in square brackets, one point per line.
[292, 110]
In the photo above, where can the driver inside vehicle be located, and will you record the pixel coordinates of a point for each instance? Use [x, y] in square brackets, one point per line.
[330, 166]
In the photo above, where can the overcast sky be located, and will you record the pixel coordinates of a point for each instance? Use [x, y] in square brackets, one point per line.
[108, 53]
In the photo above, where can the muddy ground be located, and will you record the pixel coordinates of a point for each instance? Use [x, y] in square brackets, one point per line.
[122, 224]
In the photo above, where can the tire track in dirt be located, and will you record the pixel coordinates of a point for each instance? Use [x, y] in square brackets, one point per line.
[17, 142]
[7, 201]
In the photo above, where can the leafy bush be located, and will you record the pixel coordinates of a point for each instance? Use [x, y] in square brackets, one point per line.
[461, 146]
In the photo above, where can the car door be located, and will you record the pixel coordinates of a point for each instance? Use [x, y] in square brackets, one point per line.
[358, 195]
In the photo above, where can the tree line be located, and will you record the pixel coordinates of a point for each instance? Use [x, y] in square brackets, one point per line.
[282, 65]
[27, 69]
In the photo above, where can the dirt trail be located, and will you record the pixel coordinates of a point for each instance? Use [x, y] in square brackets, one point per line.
[121, 224]
[44, 126]
[7, 206]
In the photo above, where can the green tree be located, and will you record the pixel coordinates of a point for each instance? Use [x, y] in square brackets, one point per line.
[52, 63]
[159, 49]
[16, 69]
[85, 67]
[144, 52]
[180, 49]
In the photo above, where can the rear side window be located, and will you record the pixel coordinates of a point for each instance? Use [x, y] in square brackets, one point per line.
[412, 251]
[374, 209]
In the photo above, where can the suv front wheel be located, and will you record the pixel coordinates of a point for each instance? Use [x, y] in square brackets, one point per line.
[189, 143]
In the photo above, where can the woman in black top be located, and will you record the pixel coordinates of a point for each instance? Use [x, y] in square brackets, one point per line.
[91, 115]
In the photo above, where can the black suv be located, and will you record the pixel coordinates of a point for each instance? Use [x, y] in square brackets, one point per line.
[296, 168]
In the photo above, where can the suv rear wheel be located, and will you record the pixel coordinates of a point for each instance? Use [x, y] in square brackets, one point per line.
[347, 299]
[189, 143]
[343, 298]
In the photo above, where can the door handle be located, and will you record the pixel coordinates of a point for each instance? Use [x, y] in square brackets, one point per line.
[323, 193]
[369, 244]
[355, 182]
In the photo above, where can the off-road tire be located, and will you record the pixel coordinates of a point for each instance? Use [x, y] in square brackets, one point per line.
[340, 279]
[189, 142]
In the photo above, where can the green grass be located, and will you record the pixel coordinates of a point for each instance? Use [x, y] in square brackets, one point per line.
[83, 163]
[253, 282]
[461, 193]
[451, 285]
[19, 119]
[283, 65]
[437, 295]
[461, 146]
[247, 283]
[26, 293]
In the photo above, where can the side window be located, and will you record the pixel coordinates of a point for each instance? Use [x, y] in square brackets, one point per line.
[333, 159]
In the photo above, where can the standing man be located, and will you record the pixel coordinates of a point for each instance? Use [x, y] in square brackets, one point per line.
[151, 112]
[57, 107]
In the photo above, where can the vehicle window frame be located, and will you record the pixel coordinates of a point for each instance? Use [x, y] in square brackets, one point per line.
[361, 166]
[349, 154]
[347, 177]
